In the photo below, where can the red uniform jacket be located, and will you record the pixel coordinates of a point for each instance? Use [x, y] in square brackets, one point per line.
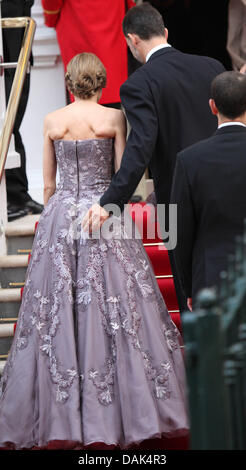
[92, 26]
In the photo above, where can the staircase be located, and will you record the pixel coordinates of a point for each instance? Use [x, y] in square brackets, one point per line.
[142, 213]
[19, 238]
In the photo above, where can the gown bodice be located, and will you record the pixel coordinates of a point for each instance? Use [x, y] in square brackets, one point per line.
[85, 166]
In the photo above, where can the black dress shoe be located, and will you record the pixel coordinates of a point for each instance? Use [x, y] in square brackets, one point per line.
[34, 207]
[15, 212]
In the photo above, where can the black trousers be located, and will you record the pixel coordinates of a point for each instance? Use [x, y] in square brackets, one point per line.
[16, 178]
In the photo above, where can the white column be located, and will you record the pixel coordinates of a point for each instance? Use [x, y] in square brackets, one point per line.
[47, 93]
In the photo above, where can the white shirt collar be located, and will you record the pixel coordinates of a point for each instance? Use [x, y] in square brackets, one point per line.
[155, 49]
[231, 123]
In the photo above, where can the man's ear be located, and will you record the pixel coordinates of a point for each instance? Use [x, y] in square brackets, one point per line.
[166, 33]
[213, 107]
[134, 39]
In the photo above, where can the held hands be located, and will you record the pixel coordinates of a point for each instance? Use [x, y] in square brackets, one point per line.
[189, 303]
[94, 218]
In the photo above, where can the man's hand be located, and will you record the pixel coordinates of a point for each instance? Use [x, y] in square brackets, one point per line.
[189, 303]
[94, 218]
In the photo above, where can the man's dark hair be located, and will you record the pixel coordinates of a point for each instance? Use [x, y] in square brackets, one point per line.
[145, 21]
[228, 90]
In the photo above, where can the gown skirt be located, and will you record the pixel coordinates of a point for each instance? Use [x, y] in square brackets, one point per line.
[96, 360]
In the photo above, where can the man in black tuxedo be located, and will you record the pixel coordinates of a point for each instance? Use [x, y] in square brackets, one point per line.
[209, 190]
[166, 103]
[19, 201]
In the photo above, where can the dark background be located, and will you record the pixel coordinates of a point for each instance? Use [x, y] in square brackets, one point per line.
[197, 26]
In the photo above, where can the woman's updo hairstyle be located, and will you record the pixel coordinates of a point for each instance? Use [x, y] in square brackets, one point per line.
[85, 75]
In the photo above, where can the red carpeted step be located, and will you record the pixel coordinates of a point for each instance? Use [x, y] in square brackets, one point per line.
[21, 292]
[159, 258]
[144, 216]
[175, 316]
[167, 289]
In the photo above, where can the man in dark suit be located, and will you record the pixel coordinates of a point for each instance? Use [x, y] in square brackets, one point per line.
[19, 201]
[166, 103]
[209, 190]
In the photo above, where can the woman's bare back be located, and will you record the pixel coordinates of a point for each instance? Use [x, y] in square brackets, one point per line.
[84, 120]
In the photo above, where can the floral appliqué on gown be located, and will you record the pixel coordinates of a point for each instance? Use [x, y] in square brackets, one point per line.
[95, 356]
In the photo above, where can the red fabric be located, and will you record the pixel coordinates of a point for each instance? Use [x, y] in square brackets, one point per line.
[130, 4]
[144, 214]
[85, 26]
[159, 258]
[51, 6]
[177, 443]
[176, 319]
[167, 289]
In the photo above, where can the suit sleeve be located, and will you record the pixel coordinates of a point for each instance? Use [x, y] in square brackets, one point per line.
[181, 195]
[141, 113]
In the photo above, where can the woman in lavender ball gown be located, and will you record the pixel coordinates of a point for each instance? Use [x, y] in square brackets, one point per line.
[96, 357]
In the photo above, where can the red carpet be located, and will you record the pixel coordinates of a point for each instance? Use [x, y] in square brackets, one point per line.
[143, 215]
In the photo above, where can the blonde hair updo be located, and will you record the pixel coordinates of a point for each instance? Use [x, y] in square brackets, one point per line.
[85, 75]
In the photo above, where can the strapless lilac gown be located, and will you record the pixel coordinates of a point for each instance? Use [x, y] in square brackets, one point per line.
[96, 356]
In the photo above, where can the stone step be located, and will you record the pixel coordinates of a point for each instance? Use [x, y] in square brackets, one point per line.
[20, 234]
[13, 261]
[5, 345]
[2, 364]
[19, 245]
[10, 301]
[6, 336]
[6, 330]
[13, 270]
[10, 295]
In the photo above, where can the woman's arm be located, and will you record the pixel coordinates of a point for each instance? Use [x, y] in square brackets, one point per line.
[49, 163]
[120, 140]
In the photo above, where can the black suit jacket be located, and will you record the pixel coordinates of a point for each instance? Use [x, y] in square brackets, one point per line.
[166, 103]
[209, 189]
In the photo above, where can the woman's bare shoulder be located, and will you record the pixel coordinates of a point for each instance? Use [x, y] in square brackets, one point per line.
[116, 116]
[53, 115]
[54, 122]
